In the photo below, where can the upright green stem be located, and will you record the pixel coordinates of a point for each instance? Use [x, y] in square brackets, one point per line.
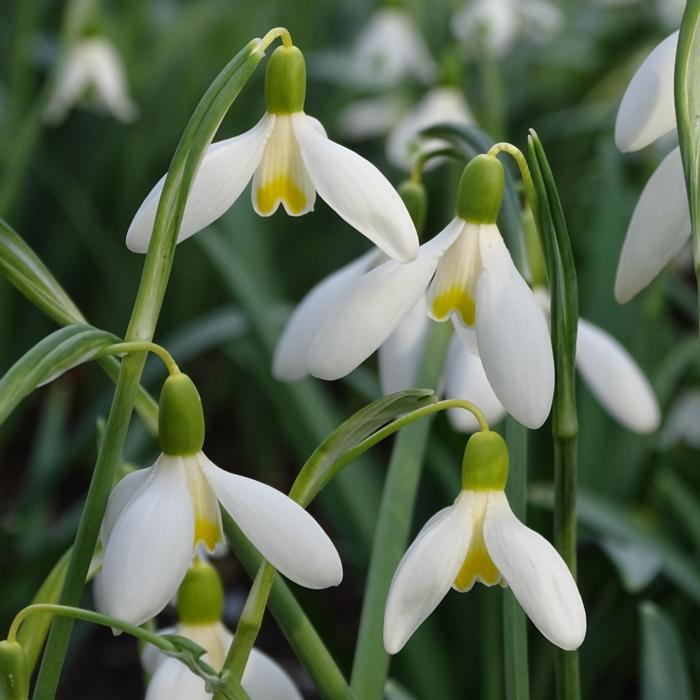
[371, 664]
[514, 621]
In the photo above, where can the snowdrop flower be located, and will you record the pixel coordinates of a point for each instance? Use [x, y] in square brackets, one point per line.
[660, 224]
[91, 69]
[681, 427]
[470, 279]
[479, 539]
[289, 159]
[199, 607]
[157, 517]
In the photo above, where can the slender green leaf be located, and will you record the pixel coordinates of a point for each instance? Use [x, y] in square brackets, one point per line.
[664, 670]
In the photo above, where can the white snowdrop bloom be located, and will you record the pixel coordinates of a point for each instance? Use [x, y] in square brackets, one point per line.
[371, 117]
[390, 49]
[157, 517]
[478, 538]
[94, 71]
[440, 105]
[671, 11]
[682, 426]
[290, 159]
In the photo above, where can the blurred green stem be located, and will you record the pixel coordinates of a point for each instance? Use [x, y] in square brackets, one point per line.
[371, 664]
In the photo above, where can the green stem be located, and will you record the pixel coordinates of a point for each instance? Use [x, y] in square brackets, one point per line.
[371, 664]
[514, 621]
[159, 350]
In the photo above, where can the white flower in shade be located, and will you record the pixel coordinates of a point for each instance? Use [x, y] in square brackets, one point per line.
[92, 70]
[682, 426]
[371, 117]
[263, 678]
[478, 538]
[289, 159]
[660, 224]
[156, 519]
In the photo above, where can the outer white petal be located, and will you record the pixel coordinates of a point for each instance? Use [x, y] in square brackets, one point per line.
[265, 679]
[615, 379]
[401, 353]
[513, 337]
[536, 574]
[172, 680]
[465, 379]
[659, 228]
[289, 362]
[120, 496]
[357, 191]
[225, 170]
[370, 117]
[150, 546]
[427, 571]
[71, 80]
[280, 529]
[368, 316]
[647, 110]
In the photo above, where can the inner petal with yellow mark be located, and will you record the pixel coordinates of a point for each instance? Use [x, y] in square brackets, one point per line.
[477, 565]
[205, 507]
[281, 177]
[453, 289]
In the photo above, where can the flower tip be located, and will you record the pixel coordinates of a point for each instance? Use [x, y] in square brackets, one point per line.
[393, 641]
[572, 638]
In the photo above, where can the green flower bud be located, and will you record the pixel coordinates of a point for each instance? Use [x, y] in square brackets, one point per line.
[485, 462]
[415, 198]
[285, 81]
[481, 190]
[200, 600]
[14, 672]
[180, 417]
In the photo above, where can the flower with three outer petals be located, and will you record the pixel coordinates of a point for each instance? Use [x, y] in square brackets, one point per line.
[478, 538]
[200, 604]
[660, 224]
[289, 159]
[91, 69]
[157, 517]
[470, 278]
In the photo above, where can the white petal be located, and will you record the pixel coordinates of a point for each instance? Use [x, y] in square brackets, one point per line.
[72, 79]
[280, 529]
[536, 574]
[513, 337]
[659, 228]
[265, 679]
[401, 353]
[357, 191]
[615, 379]
[152, 657]
[370, 117]
[225, 170]
[174, 681]
[289, 362]
[120, 496]
[150, 546]
[427, 571]
[647, 110]
[368, 315]
[466, 379]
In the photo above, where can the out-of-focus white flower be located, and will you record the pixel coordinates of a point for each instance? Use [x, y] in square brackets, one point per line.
[682, 425]
[498, 23]
[660, 224]
[671, 11]
[289, 158]
[93, 71]
[370, 117]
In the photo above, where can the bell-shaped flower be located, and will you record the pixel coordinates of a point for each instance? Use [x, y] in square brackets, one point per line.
[289, 159]
[660, 224]
[478, 538]
[157, 517]
[93, 71]
[469, 277]
[199, 607]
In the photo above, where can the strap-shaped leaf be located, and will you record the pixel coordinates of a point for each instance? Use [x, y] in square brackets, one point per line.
[324, 463]
[25, 270]
[57, 353]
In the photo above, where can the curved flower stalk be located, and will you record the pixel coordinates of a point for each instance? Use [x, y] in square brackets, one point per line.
[157, 517]
[290, 159]
[478, 538]
[200, 606]
[92, 71]
[469, 278]
[660, 224]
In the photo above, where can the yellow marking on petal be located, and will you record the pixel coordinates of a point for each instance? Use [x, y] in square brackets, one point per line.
[478, 565]
[455, 299]
[206, 531]
[205, 507]
[281, 189]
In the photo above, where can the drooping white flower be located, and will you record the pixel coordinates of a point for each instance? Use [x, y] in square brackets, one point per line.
[263, 678]
[92, 70]
[478, 538]
[290, 159]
